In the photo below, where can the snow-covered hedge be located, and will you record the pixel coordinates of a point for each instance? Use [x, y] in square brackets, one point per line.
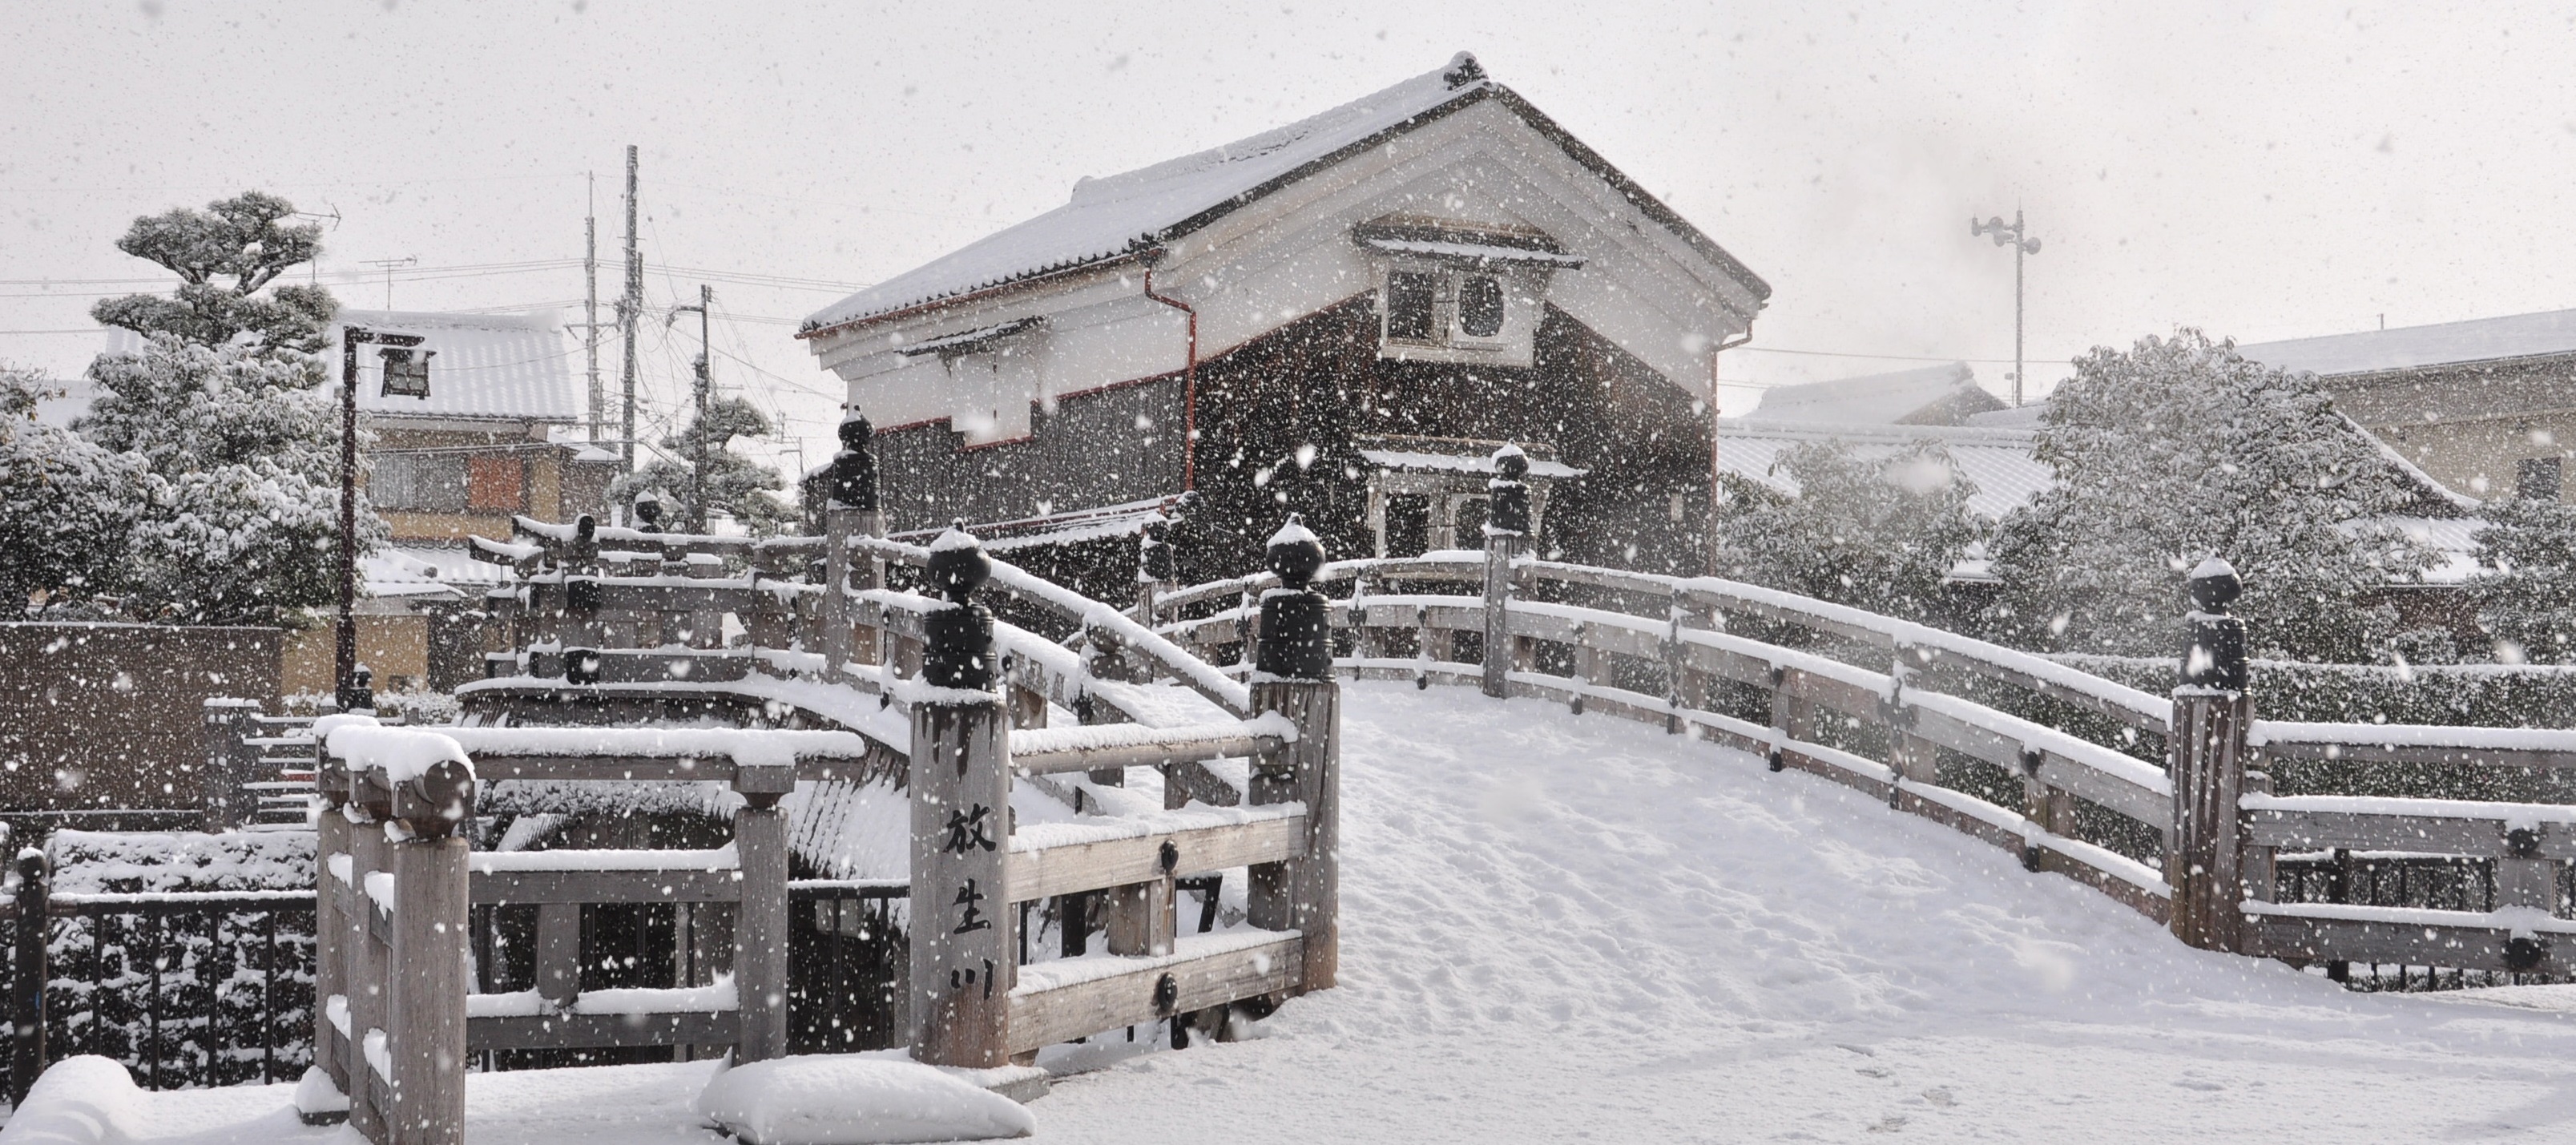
[224, 1008]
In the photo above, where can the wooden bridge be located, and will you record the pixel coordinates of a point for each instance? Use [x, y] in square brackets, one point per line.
[824, 663]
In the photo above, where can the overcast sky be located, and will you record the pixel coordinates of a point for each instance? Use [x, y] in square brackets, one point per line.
[2261, 171]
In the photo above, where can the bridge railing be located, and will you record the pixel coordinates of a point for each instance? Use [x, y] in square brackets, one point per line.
[2127, 805]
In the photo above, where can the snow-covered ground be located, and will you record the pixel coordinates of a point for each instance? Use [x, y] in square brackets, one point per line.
[1560, 929]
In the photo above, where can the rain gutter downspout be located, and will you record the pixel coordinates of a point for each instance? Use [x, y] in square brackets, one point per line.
[1190, 387]
[1716, 491]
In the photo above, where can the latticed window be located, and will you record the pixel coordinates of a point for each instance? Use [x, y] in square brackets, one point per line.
[406, 372]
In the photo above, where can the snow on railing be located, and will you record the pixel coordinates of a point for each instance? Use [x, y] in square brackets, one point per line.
[1199, 675]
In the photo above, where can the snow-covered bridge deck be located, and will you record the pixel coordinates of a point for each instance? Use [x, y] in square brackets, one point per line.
[1555, 928]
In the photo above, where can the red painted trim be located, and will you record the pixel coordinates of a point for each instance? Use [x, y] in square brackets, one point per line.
[1189, 387]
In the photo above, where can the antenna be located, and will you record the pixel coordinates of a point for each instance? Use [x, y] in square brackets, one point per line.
[389, 264]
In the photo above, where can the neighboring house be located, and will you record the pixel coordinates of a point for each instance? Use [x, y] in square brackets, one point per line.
[482, 419]
[2487, 407]
[1341, 317]
[1946, 394]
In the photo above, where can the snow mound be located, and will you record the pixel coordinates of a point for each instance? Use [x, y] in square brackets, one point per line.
[78, 1101]
[855, 1099]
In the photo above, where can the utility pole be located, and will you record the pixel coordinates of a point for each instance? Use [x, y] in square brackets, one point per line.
[389, 264]
[2012, 236]
[590, 303]
[699, 388]
[628, 309]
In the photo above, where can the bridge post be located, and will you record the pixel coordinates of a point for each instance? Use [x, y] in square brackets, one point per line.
[1295, 679]
[760, 913]
[963, 925]
[428, 961]
[331, 931]
[2206, 745]
[1507, 523]
[850, 509]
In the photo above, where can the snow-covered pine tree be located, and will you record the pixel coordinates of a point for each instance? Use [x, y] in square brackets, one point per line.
[735, 486]
[67, 506]
[226, 410]
[244, 238]
[2178, 449]
[2527, 589]
[240, 517]
[1876, 533]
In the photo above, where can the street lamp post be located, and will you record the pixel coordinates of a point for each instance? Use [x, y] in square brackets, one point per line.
[2012, 236]
[344, 660]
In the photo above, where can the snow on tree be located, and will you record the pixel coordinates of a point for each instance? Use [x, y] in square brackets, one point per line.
[2527, 593]
[1877, 533]
[239, 518]
[67, 505]
[2179, 449]
[244, 238]
[734, 486]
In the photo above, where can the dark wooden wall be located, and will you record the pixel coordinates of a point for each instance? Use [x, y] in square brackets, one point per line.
[112, 716]
[1319, 382]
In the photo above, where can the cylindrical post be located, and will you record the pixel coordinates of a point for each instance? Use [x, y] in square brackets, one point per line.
[27, 983]
[1296, 681]
[1507, 522]
[963, 927]
[2211, 716]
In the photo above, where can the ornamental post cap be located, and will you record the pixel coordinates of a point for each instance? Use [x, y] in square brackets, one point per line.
[2214, 585]
[1510, 463]
[1295, 553]
[957, 564]
[856, 430]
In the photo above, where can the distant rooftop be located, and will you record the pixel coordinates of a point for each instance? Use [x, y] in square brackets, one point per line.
[1946, 394]
[513, 366]
[1997, 461]
[2445, 344]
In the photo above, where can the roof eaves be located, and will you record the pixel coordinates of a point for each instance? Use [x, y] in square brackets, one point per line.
[1140, 249]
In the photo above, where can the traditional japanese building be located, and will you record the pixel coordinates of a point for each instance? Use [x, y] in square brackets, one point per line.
[1344, 317]
[2487, 406]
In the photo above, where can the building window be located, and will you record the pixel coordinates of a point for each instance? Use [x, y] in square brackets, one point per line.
[1410, 299]
[418, 482]
[2539, 478]
[1480, 306]
[406, 372]
[496, 483]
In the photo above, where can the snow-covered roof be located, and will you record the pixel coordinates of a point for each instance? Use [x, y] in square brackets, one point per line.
[513, 366]
[397, 571]
[2443, 344]
[1938, 395]
[1998, 461]
[1128, 215]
